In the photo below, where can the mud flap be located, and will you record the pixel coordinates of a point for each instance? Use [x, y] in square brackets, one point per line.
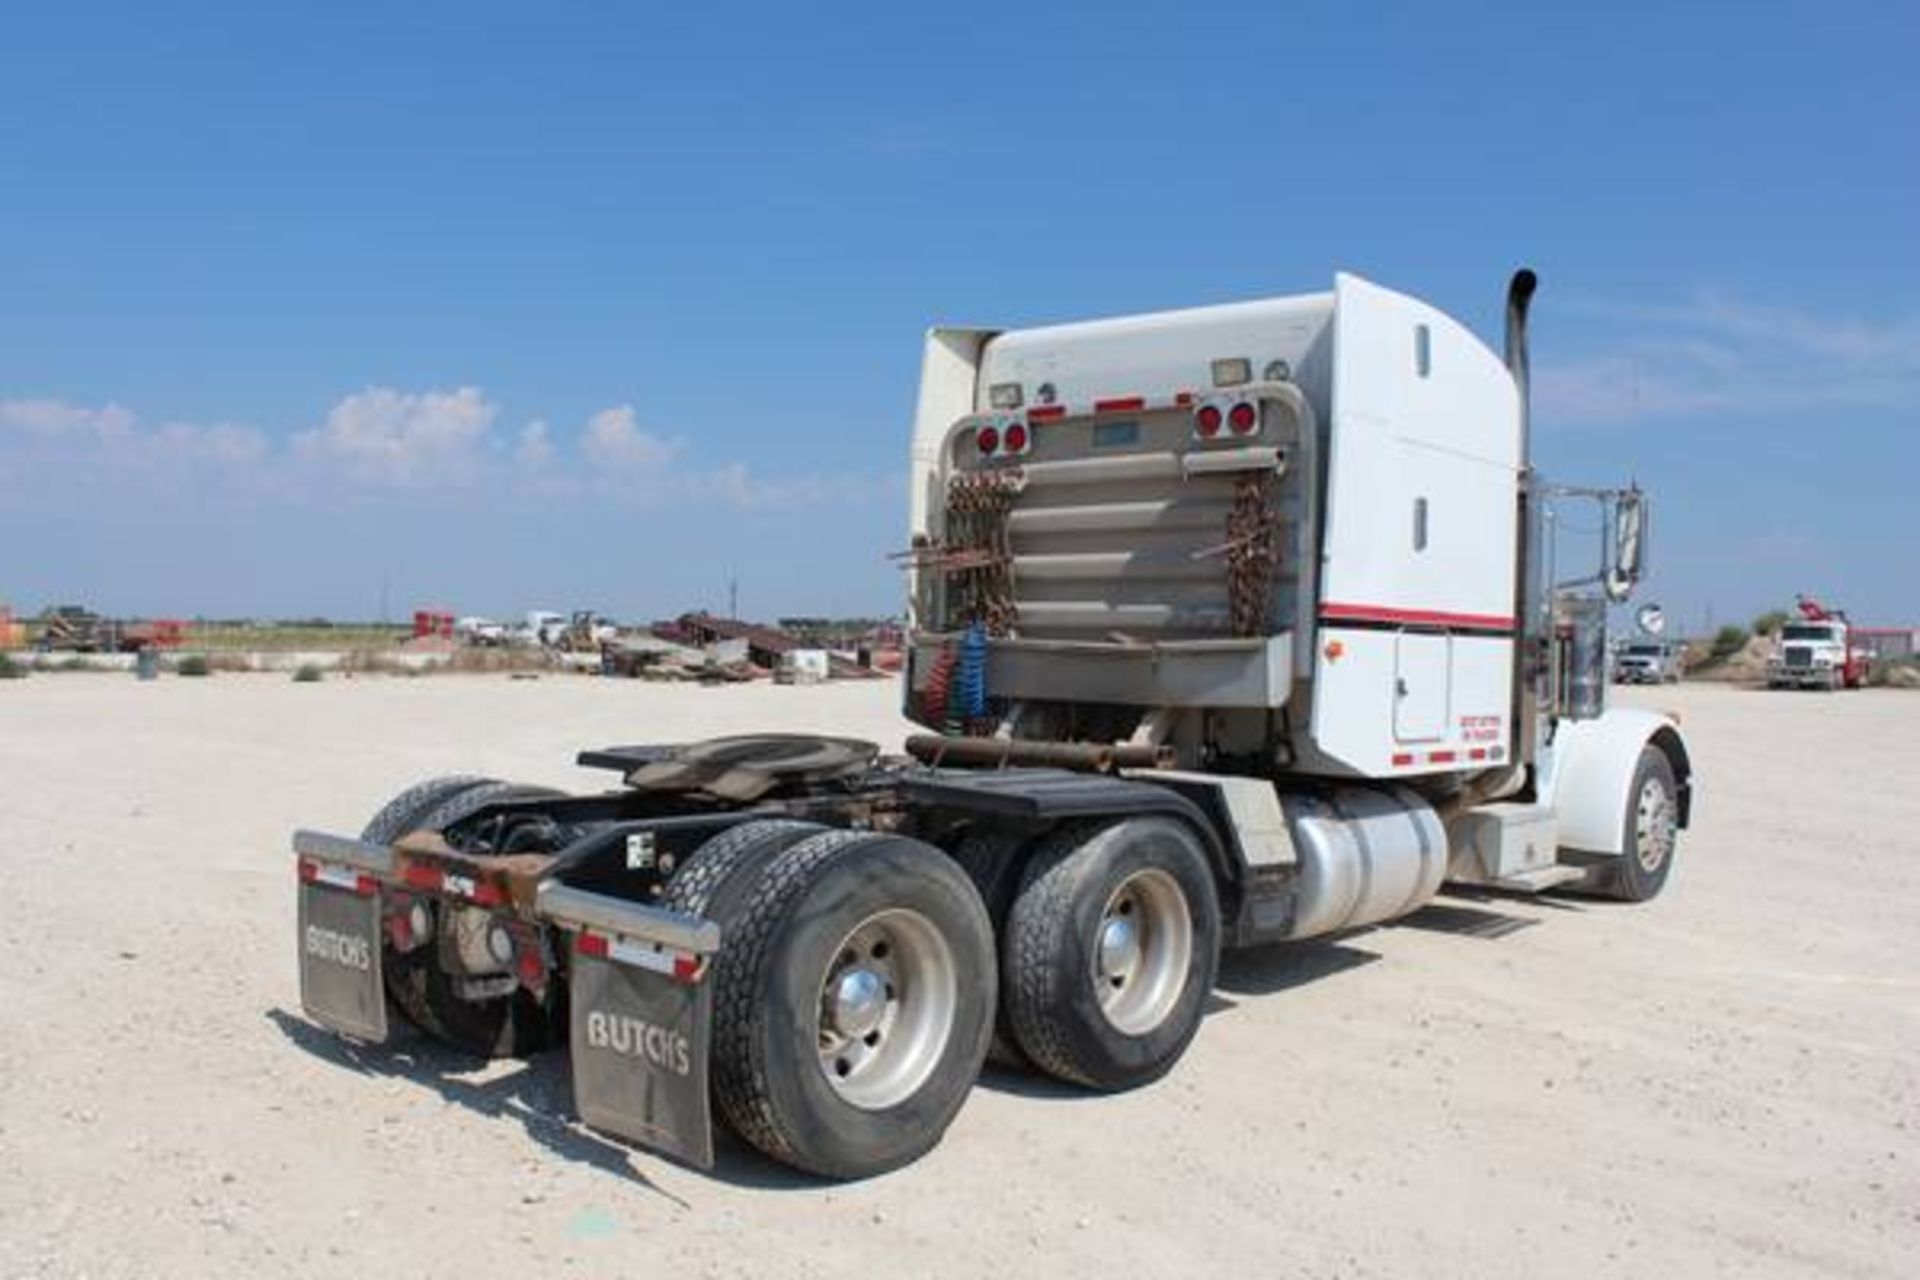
[640, 1040]
[340, 980]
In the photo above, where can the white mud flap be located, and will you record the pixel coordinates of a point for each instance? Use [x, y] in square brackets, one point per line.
[340, 979]
[642, 1014]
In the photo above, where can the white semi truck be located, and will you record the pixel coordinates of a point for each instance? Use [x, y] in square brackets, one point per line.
[1230, 627]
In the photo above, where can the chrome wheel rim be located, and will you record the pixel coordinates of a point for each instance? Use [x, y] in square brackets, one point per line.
[886, 1008]
[1653, 825]
[1143, 947]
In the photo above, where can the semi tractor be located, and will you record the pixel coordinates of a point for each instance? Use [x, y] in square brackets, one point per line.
[1229, 627]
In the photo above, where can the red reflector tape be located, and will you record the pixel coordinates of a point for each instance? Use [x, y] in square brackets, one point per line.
[681, 966]
[1120, 404]
[1442, 757]
[1047, 413]
[1478, 753]
[1182, 400]
[1402, 759]
[339, 877]
[418, 876]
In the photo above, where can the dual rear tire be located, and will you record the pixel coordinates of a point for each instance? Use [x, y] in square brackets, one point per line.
[1110, 951]
[418, 985]
[854, 995]
[857, 988]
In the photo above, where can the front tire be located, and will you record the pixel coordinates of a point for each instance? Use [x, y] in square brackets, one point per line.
[1650, 830]
[853, 1003]
[1110, 951]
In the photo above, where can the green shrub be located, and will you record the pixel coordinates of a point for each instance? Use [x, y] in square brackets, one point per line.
[307, 674]
[1894, 673]
[11, 670]
[193, 664]
[1770, 622]
[1728, 641]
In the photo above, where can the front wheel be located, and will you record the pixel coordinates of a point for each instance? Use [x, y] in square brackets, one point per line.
[1650, 830]
[1110, 951]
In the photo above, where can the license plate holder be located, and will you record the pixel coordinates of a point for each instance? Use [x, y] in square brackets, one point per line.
[341, 984]
[640, 1055]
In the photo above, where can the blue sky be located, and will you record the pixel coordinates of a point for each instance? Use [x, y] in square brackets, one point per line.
[510, 306]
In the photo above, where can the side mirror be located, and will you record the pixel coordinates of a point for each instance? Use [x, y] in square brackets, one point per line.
[1629, 544]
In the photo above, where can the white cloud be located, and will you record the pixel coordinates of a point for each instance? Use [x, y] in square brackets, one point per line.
[56, 419]
[82, 440]
[385, 440]
[535, 447]
[1716, 356]
[402, 439]
[613, 438]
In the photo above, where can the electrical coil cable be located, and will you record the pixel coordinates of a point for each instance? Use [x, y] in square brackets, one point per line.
[936, 694]
[968, 700]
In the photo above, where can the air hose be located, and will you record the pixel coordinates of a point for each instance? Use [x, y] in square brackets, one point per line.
[969, 697]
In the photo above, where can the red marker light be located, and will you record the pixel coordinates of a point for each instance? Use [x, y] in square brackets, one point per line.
[1243, 417]
[1207, 420]
[1016, 437]
[988, 438]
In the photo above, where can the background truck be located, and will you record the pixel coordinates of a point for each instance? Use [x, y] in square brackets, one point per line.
[1647, 662]
[1229, 627]
[1817, 652]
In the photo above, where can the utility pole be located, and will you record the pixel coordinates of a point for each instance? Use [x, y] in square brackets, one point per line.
[733, 597]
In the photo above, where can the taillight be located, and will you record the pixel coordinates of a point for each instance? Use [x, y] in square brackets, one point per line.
[988, 438]
[1016, 437]
[1206, 420]
[1243, 418]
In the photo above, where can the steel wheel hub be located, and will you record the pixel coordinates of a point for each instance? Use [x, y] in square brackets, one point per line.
[859, 1003]
[1119, 948]
[1143, 951]
[1653, 825]
[888, 1001]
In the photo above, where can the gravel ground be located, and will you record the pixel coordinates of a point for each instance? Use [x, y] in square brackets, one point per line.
[1720, 1083]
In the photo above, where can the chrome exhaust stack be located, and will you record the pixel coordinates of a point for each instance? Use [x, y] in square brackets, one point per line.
[1530, 665]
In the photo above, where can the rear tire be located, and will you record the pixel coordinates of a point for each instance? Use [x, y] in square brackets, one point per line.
[724, 868]
[853, 1002]
[403, 813]
[1110, 951]
[991, 857]
[420, 989]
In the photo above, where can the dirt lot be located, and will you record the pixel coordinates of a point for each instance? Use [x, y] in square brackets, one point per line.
[1726, 1082]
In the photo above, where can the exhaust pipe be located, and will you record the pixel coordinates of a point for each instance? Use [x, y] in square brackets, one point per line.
[1519, 298]
[1530, 666]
